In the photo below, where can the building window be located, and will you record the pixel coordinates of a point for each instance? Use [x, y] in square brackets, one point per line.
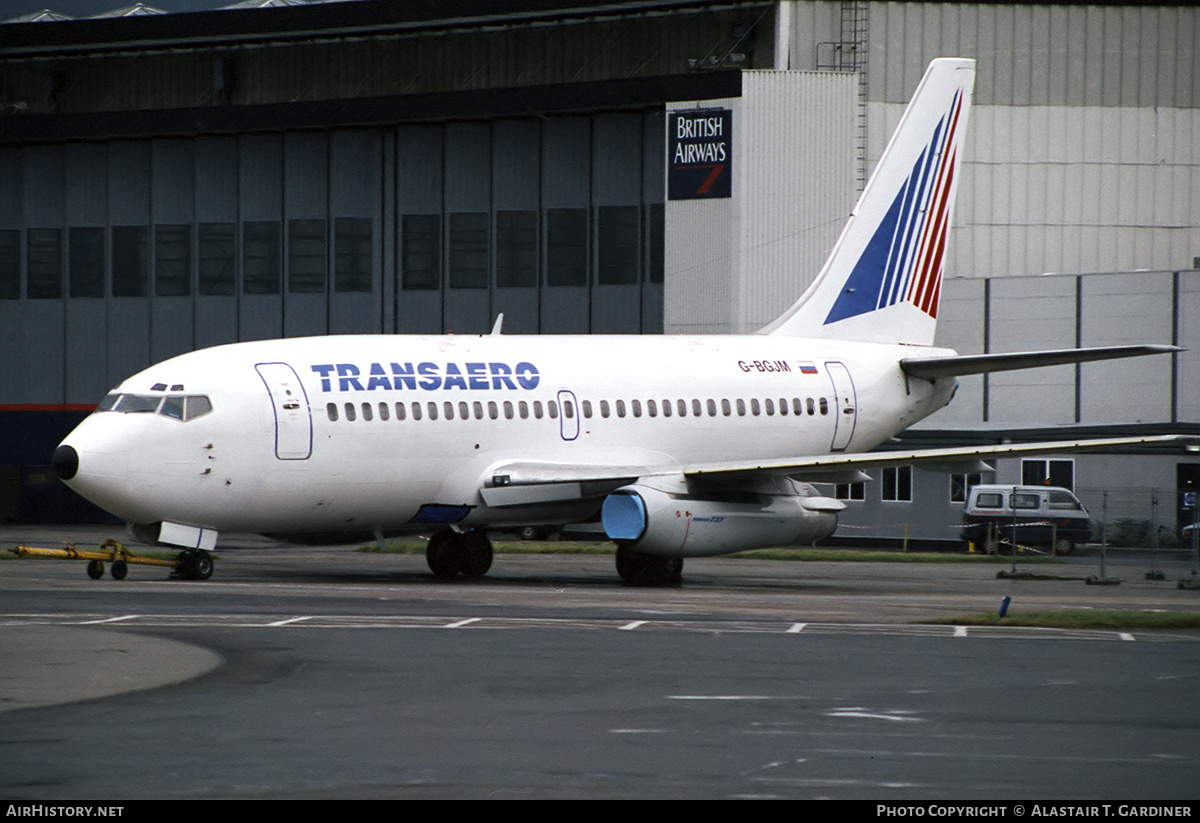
[130, 261]
[1048, 473]
[353, 258]
[173, 261]
[850, 491]
[218, 259]
[657, 244]
[306, 257]
[261, 257]
[896, 484]
[567, 247]
[10, 264]
[618, 245]
[86, 269]
[961, 485]
[468, 251]
[516, 248]
[44, 264]
[421, 252]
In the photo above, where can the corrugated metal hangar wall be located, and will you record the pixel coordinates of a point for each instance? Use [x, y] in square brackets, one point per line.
[189, 179]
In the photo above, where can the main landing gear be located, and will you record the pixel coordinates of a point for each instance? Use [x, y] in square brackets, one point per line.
[450, 553]
[648, 569]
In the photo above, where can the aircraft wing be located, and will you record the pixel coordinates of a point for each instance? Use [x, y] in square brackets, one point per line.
[528, 482]
[817, 468]
[957, 365]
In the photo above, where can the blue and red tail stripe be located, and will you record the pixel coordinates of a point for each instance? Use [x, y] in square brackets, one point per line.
[904, 259]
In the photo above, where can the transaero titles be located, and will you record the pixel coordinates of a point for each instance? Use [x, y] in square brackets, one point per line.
[427, 376]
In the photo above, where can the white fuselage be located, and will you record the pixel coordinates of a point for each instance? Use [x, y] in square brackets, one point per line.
[271, 457]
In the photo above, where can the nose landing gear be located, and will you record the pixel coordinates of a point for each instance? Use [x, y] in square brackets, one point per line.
[194, 564]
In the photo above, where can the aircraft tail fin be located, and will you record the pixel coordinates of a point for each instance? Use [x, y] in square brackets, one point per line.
[882, 281]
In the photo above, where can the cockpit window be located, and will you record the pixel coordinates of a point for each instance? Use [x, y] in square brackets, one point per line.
[197, 404]
[136, 403]
[172, 407]
[176, 406]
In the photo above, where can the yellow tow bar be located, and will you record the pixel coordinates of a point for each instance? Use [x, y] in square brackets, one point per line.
[192, 564]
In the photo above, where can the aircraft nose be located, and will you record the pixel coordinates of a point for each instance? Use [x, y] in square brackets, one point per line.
[65, 462]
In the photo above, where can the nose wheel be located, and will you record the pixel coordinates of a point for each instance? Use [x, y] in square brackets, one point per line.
[194, 564]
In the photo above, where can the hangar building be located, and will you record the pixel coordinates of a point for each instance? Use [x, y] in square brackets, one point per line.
[179, 180]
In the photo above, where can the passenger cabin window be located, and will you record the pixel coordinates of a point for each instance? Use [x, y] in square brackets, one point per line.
[990, 501]
[1026, 501]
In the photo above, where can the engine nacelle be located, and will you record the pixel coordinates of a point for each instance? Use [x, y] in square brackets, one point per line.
[673, 521]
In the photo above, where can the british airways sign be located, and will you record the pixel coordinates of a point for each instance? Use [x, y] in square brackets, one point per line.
[701, 154]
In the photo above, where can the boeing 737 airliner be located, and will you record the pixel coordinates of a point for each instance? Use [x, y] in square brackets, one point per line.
[682, 446]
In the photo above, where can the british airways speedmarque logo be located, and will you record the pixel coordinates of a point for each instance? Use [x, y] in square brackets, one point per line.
[427, 376]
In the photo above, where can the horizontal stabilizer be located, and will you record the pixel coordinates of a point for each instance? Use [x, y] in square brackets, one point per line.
[958, 365]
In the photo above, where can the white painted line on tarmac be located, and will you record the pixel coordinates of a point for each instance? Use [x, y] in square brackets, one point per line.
[289, 621]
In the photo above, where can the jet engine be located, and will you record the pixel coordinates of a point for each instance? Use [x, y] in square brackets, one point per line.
[673, 518]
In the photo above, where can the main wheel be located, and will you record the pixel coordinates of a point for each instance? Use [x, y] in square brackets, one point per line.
[1064, 546]
[95, 569]
[638, 569]
[474, 553]
[440, 554]
[119, 569]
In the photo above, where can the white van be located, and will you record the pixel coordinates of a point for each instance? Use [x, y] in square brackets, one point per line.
[1040, 516]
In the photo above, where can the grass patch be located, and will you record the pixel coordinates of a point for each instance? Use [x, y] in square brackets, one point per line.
[810, 554]
[1081, 619]
[872, 556]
